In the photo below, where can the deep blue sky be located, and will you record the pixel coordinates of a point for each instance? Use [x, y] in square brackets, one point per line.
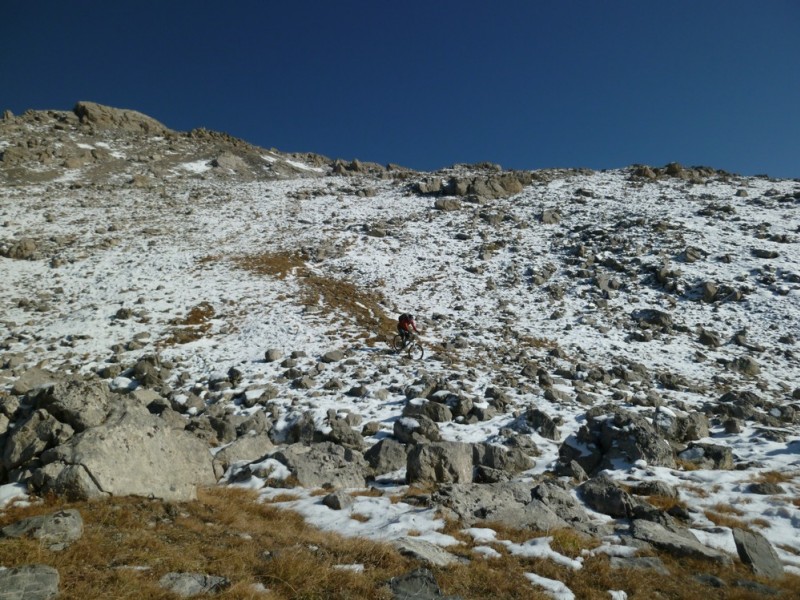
[526, 83]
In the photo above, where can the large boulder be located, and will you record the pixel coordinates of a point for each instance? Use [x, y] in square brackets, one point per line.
[440, 462]
[249, 447]
[678, 544]
[756, 551]
[419, 429]
[34, 435]
[708, 456]
[387, 456]
[436, 412]
[81, 404]
[510, 503]
[605, 496]
[500, 458]
[343, 434]
[32, 379]
[324, 465]
[612, 436]
[132, 454]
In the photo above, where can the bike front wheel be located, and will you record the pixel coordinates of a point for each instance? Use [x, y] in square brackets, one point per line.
[416, 351]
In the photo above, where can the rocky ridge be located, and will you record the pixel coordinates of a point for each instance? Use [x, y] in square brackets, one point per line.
[597, 341]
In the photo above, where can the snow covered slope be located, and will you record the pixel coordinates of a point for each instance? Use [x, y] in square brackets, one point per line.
[657, 292]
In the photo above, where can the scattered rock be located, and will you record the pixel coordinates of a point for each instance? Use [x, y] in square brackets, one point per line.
[417, 585]
[324, 464]
[425, 552]
[674, 543]
[754, 550]
[55, 531]
[338, 500]
[387, 456]
[440, 462]
[32, 379]
[31, 582]
[133, 453]
[188, 585]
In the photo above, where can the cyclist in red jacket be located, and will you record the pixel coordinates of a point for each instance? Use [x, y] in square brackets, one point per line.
[405, 324]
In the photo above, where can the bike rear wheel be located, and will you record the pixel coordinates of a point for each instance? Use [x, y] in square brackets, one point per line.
[398, 343]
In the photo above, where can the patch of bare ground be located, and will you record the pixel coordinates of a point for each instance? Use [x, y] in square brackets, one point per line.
[338, 297]
[193, 326]
[130, 543]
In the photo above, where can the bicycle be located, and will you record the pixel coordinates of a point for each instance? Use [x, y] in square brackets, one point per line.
[411, 346]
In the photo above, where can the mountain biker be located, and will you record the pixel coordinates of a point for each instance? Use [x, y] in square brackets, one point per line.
[404, 326]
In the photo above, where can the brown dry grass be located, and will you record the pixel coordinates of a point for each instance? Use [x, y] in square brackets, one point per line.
[192, 327]
[227, 532]
[775, 477]
[666, 503]
[338, 297]
[725, 515]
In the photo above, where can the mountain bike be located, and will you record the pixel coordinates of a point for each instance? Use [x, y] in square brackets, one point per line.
[411, 346]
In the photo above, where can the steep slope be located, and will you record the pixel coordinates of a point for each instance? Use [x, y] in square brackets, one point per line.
[548, 301]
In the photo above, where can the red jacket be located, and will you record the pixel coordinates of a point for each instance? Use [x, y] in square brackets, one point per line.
[407, 325]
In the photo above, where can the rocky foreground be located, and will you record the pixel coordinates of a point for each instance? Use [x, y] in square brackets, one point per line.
[611, 352]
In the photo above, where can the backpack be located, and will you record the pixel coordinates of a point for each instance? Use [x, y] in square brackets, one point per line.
[405, 318]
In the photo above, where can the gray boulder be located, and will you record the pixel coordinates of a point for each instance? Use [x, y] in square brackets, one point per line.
[55, 531]
[333, 356]
[605, 496]
[273, 354]
[556, 497]
[639, 562]
[510, 460]
[675, 543]
[187, 585]
[436, 412]
[708, 456]
[245, 448]
[440, 462]
[37, 433]
[324, 465]
[31, 582]
[510, 503]
[32, 379]
[132, 454]
[81, 404]
[424, 552]
[417, 585]
[447, 204]
[387, 456]
[343, 434]
[756, 551]
[413, 430]
[612, 436]
[338, 500]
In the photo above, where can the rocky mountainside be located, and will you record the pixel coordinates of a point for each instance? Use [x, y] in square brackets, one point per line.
[612, 351]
